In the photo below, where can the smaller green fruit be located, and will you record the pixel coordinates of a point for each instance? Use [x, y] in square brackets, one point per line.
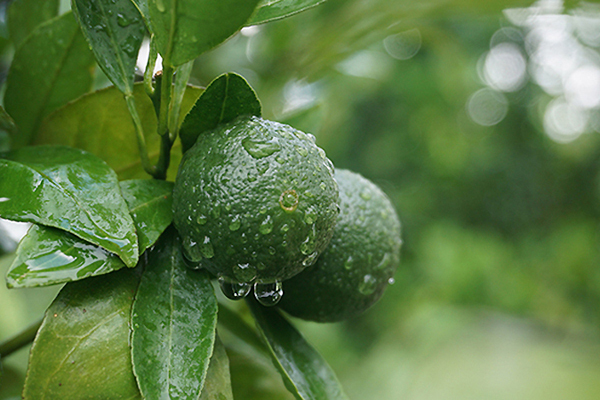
[353, 272]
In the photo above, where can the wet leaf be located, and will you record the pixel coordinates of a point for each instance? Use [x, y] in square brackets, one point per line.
[26, 15]
[270, 10]
[115, 31]
[226, 98]
[184, 29]
[48, 256]
[173, 320]
[304, 372]
[61, 72]
[100, 123]
[217, 385]
[82, 347]
[149, 202]
[71, 190]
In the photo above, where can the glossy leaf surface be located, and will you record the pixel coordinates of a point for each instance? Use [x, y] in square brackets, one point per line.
[184, 29]
[149, 202]
[48, 256]
[304, 371]
[226, 98]
[115, 31]
[270, 10]
[217, 385]
[173, 320]
[100, 123]
[26, 15]
[71, 190]
[61, 72]
[82, 348]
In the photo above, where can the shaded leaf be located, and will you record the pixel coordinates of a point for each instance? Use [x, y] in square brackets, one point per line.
[48, 256]
[217, 385]
[61, 72]
[304, 372]
[184, 29]
[174, 319]
[227, 97]
[26, 15]
[149, 202]
[100, 123]
[71, 190]
[115, 31]
[7, 129]
[82, 347]
[270, 10]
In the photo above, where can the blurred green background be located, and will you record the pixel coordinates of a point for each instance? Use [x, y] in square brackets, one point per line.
[480, 120]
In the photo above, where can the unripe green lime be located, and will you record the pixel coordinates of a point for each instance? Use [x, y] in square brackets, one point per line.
[255, 201]
[353, 272]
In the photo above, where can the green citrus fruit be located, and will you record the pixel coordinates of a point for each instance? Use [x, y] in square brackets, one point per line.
[355, 269]
[255, 201]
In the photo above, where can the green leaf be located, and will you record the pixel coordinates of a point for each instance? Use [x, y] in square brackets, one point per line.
[48, 256]
[226, 98]
[174, 319]
[270, 10]
[71, 190]
[52, 67]
[115, 31]
[304, 371]
[184, 29]
[82, 348]
[149, 202]
[26, 15]
[7, 129]
[100, 124]
[217, 385]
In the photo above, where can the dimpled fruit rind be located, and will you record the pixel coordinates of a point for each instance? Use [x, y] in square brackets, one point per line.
[353, 272]
[255, 201]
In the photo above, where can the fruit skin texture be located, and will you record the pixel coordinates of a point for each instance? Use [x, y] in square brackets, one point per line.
[353, 272]
[255, 201]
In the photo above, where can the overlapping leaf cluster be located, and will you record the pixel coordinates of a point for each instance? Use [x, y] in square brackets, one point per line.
[143, 325]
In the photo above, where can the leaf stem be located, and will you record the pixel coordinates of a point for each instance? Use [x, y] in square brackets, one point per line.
[139, 133]
[181, 79]
[165, 98]
[21, 339]
[149, 72]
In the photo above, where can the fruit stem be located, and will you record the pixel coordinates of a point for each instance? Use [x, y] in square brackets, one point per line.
[21, 339]
[139, 133]
[165, 98]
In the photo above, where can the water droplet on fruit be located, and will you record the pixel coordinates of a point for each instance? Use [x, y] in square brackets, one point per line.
[234, 291]
[289, 200]
[206, 248]
[391, 281]
[266, 226]
[349, 263]
[262, 168]
[244, 272]
[385, 261]
[235, 223]
[302, 151]
[310, 259]
[260, 148]
[365, 195]
[368, 285]
[323, 186]
[311, 137]
[308, 246]
[272, 250]
[201, 219]
[252, 176]
[284, 228]
[268, 294]
[310, 217]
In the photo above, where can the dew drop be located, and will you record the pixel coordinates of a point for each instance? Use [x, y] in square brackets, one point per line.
[284, 228]
[234, 291]
[308, 246]
[123, 21]
[235, 223]
[216, 211]
[349, 263]
[206, 248]
[311, 137]
[266, 226]
[289, 200]
[368, 285]
[191, 250]
[323, 186]
[310, 259]
[302, 151]
[280, 160]
[260, 148]
[310, 217]
[365, 194]
[272, 250]
[244, 272]
[268, 294]
[391, 281]
[201, 219]
[160, 5]
[385, 261]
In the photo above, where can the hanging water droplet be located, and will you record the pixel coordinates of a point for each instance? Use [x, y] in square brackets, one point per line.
[244, 272]
[289, 200]
[391, 281]
[368, 285]
[206, 248]
[310, 259]
[268, 294]
[235, 223]
[234, 291]
[348, 264]
[266, 226]
[260, 148]
[201, 219]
